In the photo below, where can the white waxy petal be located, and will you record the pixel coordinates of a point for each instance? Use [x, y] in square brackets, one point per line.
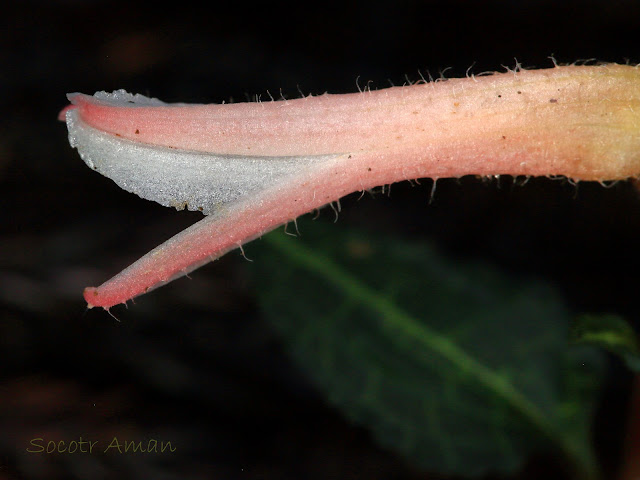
[181, 178]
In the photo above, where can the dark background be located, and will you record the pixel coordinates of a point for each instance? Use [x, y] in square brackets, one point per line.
[194, 362]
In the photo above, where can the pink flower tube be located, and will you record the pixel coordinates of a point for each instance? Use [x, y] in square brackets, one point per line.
[253, 166]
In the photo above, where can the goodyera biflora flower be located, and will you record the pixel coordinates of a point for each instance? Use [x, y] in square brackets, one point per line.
[253, 166]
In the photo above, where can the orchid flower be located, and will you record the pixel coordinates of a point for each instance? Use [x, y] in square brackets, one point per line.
[250, 167]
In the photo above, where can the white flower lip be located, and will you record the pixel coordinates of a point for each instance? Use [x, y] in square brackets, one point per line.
[180, 178]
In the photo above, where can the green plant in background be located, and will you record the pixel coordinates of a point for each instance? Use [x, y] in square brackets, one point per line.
[461, 368]
[611, 333]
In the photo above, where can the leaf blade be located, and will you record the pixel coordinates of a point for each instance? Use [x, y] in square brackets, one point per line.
[387, 367]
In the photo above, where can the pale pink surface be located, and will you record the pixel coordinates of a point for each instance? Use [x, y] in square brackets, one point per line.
[561, 107]
[581, 122]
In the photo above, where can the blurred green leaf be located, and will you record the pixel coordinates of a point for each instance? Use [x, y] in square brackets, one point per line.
[462, 369]
[609, 332]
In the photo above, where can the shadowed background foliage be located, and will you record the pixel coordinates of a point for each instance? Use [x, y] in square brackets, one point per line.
[196, 363]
